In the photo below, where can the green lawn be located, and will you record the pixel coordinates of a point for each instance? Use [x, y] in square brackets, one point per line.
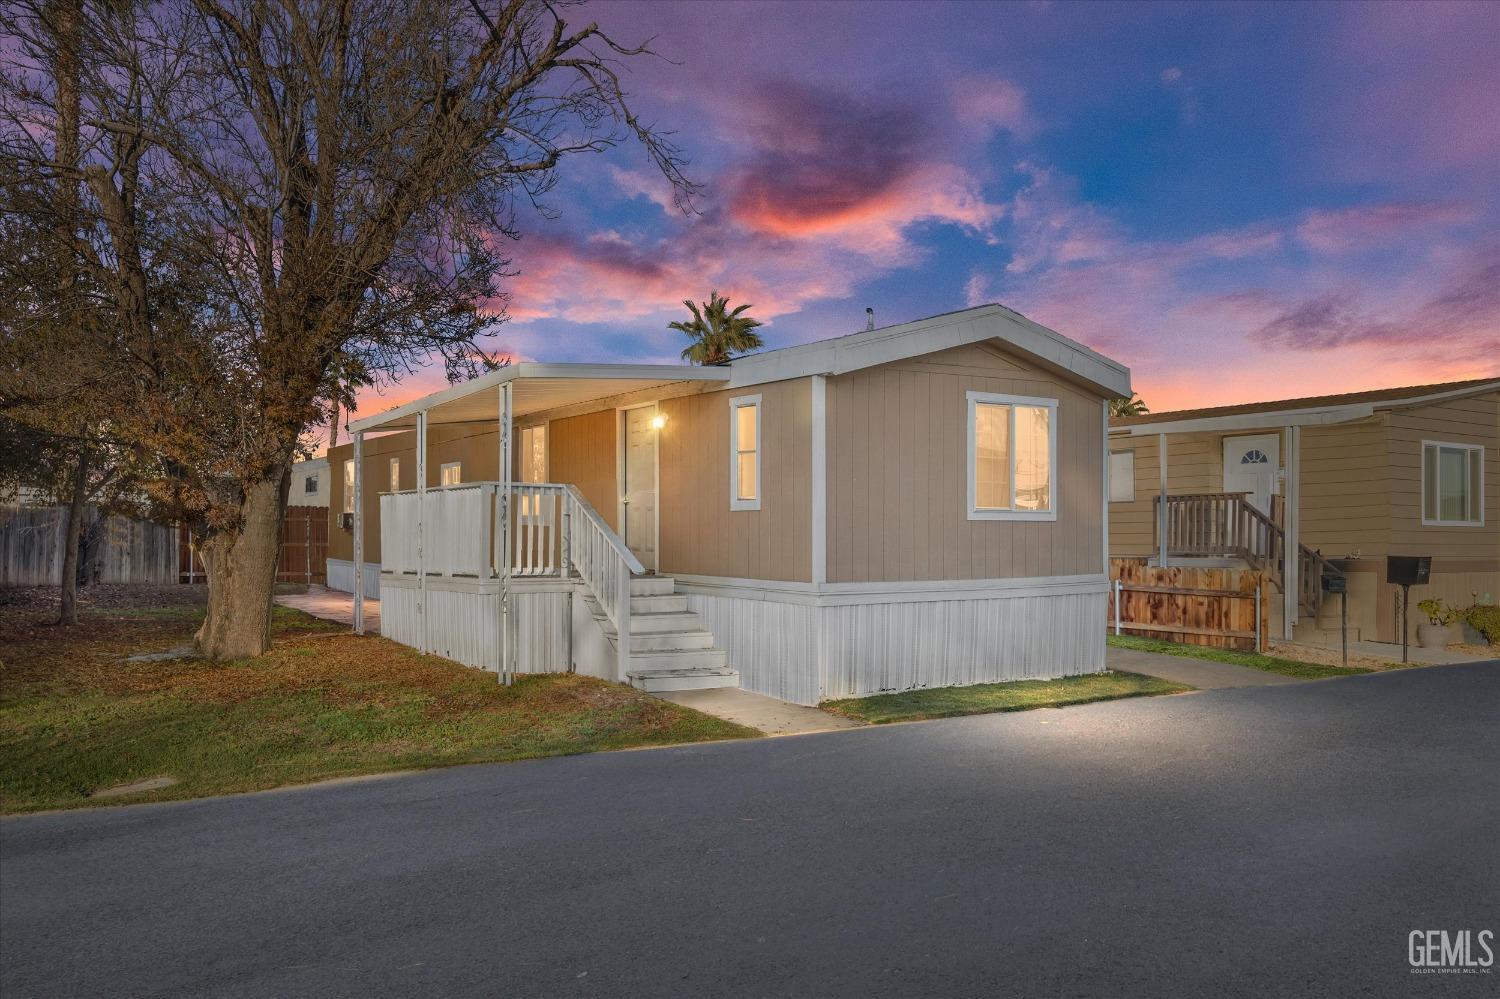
[1254, 660]
[76, 718]
[984, 698]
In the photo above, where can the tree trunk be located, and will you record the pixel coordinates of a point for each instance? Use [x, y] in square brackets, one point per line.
[241, 568]
[67, 609]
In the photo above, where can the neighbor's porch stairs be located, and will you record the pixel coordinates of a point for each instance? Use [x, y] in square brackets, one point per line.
[670, 649]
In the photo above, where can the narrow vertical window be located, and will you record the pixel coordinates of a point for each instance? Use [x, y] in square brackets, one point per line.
[744, 453]
[1452, 485]
[395, 475]
[348, 487]
[1012, 457]
[533, 460]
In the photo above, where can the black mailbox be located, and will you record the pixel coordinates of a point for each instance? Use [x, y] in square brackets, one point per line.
[1408, 570]
[1334, 583]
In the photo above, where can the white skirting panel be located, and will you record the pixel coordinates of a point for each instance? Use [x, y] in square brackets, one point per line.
[773, 645]
[341, 577]
[875, 648]
[463, 621]
[876, 642]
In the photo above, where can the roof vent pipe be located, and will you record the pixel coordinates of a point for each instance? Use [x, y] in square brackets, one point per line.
[869, 318]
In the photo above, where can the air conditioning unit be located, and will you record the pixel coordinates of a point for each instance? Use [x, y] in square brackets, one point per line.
[346, 521]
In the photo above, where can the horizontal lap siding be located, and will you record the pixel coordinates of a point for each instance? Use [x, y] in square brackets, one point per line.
[700, 535]
[898, 474]
[1345, 498]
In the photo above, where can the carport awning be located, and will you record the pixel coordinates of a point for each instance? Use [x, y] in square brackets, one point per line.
[536, 388]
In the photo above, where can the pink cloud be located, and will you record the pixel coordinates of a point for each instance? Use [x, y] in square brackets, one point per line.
[987, 105]
[1346, 230]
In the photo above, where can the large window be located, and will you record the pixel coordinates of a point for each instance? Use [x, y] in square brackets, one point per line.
[348, 487]
[1012, 457]
[1452, 484]
[450, 473]
[744, 453]
[1122, 476]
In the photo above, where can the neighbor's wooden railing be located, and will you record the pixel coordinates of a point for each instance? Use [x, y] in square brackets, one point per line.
[1229, 525]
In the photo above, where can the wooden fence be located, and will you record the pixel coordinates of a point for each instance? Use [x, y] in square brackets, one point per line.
[1221, 608]
[304, 549]
[112, 549]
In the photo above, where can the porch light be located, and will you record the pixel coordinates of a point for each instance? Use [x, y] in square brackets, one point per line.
[658, 421]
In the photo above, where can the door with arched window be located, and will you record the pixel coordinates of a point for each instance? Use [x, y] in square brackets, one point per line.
[1250, 466]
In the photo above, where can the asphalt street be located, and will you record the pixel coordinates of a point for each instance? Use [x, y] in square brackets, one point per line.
[1272, 840]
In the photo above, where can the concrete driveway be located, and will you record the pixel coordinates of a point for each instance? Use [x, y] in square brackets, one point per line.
[1278, 840]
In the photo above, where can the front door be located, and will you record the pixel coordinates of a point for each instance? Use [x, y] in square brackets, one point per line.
[1250, 466]
[638, 484]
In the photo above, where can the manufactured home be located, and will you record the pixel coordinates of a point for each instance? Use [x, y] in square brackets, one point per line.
[1342, 481]
[912, 506]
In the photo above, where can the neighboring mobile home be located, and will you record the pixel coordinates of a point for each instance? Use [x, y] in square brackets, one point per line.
[919, 505]
[1345, 480]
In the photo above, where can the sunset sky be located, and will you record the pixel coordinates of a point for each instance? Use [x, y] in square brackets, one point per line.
[1239, 202]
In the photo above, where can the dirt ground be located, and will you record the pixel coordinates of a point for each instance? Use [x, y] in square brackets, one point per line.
[40, 601]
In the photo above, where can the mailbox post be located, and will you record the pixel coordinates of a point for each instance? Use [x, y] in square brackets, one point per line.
[1337, 583]
[1407, 571]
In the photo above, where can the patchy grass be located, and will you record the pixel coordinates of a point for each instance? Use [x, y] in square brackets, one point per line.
[1254, 660]
[984, 698]
[76, 718]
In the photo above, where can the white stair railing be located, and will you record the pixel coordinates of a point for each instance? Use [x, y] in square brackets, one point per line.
[605, 565]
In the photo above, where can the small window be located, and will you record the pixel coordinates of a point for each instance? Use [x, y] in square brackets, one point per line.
[348, 487]
[1452, 485]
[1012, 457]
[1122, 476]
[310, 484]
[744, 453]
[534, 453]
[395, 475]
[451, 473]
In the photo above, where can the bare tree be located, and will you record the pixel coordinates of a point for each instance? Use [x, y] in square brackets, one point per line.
[284, 196]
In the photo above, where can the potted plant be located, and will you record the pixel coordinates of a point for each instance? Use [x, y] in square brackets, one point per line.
[1438, 632]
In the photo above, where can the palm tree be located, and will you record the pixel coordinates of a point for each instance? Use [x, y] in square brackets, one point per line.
[717, 333]
[1134, 406]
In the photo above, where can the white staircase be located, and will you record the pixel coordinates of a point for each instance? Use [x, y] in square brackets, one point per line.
[670, 649]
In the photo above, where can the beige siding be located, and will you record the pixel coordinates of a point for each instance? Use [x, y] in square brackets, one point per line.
[898, 474]
[1475, 420]
[700, 535]
[584, 451]
[1345, 491]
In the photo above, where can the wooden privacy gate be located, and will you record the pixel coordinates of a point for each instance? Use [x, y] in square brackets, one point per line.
[1220, 608]
[304, 549]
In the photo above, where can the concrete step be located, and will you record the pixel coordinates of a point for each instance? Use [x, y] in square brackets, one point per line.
[652, 586]
[666, 641]
[642, 624]
[661, 604]
[680, 659]
[658, 680]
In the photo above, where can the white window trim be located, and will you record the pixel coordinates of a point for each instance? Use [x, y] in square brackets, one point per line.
[735, 405]
[393, 471]
[348, 498]
[991, 398]
[1109, 490]
[443, 468]
[546, 428]
[1422, 485]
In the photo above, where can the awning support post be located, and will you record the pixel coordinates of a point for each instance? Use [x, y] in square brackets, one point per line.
[359, 532]
[1161, 507]
[503, 502]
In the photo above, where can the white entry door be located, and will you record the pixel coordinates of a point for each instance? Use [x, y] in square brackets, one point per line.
[638, 484]
[1250, 466]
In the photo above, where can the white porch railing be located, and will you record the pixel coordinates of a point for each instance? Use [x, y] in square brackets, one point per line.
[456, 531]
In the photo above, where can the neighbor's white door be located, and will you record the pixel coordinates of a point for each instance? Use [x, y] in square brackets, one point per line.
[1250, 465]
[638, 482]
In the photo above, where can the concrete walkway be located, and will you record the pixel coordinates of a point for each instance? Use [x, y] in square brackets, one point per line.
[332, 605]
[771, 716]
[1391, 652]
[1200, 673]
